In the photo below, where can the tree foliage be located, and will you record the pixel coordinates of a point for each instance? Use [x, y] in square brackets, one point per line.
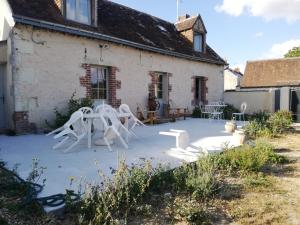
[294, 52]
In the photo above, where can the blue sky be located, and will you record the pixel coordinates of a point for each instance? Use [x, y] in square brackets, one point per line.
[239, 30]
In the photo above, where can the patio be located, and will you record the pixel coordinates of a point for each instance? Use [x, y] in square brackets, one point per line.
[82, 163]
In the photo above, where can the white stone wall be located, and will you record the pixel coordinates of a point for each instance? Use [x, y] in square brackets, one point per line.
[49, 68]
[6, 20]
[230, 80]
[258, 100]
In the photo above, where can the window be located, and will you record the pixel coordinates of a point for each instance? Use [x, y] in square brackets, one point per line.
[79, 10]
[159, 91]
[99, 82]
[198, 42]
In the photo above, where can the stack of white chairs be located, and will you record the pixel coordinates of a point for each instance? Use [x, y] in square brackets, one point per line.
[106, 121]
[112, 127]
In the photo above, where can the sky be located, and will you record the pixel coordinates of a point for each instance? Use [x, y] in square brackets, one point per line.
[238, 30]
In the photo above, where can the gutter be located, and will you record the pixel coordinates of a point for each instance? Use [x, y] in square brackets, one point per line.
[103, 37]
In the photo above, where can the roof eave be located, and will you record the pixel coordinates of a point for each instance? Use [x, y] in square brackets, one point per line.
[99, 36]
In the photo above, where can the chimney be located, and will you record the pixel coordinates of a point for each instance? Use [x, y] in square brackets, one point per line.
[182, 18]
[237, 69]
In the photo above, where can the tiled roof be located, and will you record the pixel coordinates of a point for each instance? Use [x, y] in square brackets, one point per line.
[119, 21]
[272, 73]
[186, 24]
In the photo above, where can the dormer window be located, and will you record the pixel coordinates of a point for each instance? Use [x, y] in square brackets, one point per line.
[79, 11]
[198, 42]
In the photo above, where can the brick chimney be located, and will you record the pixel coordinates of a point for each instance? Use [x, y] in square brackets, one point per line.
[182, 18]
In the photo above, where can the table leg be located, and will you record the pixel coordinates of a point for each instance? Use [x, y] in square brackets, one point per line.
[89, 133]
[126, 124]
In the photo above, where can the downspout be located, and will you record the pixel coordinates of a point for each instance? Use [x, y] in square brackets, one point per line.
[13, 63]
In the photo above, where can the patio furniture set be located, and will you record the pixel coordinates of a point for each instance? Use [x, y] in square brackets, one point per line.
[104, 123]
[215, 111]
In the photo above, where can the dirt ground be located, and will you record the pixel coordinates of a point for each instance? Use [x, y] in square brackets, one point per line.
[280, 202]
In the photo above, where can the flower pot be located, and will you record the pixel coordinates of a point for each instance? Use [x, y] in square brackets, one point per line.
[239, 137]
[230, 127]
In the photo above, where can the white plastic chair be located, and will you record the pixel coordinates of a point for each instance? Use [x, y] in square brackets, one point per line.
[132, 119]
[74, 128]
[84, 110]
[241, 115]
[112, 127]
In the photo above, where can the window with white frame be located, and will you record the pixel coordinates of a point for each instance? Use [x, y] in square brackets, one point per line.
[198, 42]
[99, 82]
[79, 10]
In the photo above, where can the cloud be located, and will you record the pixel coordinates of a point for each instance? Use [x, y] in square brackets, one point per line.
[280, 49]
[267, 9]
[259, 34]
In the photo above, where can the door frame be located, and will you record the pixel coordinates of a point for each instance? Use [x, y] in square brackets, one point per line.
[2, 78]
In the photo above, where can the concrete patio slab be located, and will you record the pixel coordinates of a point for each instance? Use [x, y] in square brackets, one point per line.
[83, 163]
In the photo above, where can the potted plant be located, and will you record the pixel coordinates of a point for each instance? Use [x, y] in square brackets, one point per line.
[230, 126]
[239, 136]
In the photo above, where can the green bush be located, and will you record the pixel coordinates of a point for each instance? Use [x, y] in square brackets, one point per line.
[264, 125]
[115, 198]
[248, 158]
[280, 121]
[255, 129]
[73, 105]
[228, 110]
[260, 117]
[197, 112]
[201, 178]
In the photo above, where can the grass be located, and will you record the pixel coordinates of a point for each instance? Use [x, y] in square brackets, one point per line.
[13, 210]
[246, 185]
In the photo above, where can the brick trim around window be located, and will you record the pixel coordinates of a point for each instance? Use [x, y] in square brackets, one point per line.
[113, 84]
[154, 79]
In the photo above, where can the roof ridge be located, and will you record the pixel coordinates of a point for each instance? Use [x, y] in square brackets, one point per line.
[275, 59]
[139, 11]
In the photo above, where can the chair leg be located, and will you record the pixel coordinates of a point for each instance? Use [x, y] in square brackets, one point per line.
[123, 142]
[108, 144]
[61, 142]
[71, 146]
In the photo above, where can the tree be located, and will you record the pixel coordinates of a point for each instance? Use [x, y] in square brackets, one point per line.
[295, 52]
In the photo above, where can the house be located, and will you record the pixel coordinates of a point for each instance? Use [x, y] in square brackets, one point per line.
[270, 85]
[100, 50]
[232, 78]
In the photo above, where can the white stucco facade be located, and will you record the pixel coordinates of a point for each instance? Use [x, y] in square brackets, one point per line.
[48, 67]
[231, 80]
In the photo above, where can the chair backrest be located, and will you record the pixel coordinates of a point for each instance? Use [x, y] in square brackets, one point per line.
[102, 107]
[86, 110]
[124, 108]
[243, 107]
[111, 117]
[76, 123]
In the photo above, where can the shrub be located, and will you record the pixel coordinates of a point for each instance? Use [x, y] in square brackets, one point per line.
[197, 112]
[255, 129]
[115, 198]
[280, 121]
[260, 117]
[264, 125]
[73, 105]
[199, 179]
[228, 110]
[248, 158]
[202, 179]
